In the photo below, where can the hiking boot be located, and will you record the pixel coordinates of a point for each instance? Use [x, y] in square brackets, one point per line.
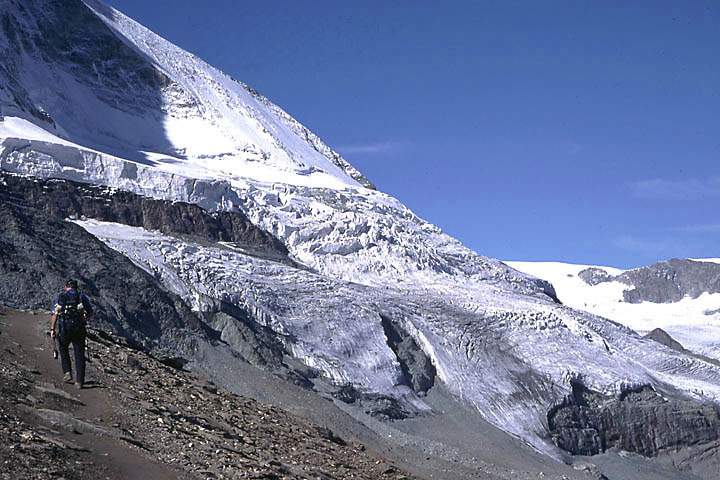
[68, 377]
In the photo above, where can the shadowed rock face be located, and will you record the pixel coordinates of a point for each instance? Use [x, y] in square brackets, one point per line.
[640, 421]
[379, 406]
[39, 250]
[38, 253]
[663, 282]
[418, 371]
[661, 336]
[61, 199]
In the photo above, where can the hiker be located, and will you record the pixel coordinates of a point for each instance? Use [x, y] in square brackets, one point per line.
[70, 314]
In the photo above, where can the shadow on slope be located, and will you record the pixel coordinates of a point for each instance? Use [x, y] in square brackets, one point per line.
[65, 70]
[38, 253]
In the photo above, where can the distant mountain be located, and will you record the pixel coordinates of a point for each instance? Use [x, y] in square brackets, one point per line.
[291, 261]
[680, 296]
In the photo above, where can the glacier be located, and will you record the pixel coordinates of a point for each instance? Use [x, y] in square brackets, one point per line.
[160, 122]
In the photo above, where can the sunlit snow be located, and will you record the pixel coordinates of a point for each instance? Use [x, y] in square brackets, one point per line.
[689, 321]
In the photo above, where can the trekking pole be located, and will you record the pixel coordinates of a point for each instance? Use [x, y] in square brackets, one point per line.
[53, 344]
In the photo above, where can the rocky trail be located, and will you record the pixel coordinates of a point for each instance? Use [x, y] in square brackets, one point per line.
[140, 418]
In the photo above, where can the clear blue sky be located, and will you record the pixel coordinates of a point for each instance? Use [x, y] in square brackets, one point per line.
[575, 131]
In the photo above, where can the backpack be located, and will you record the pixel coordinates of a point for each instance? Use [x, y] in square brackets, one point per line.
[71, 315]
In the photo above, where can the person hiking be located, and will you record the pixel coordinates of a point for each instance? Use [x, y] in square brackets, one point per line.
[68, 321]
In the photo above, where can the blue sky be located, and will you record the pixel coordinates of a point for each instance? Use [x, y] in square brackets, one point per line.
[576, 131]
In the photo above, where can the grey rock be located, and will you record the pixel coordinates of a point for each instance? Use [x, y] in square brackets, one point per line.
[255, 343]
[594, 276]
[64, 421]
[639, 420]
[40, 250]
[38, 253]
[50, 389]
[132, 362]
[63, 199]
[662, 282]
[178, 363]
[328, 434]
[670, 281]
[661, 336]
[417, 368]
[379, 406]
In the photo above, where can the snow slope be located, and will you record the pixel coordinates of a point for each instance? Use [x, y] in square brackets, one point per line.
[694, 322]
[163, 105]
[89, 95]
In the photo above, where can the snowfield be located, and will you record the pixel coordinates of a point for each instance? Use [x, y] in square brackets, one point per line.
[694, 322]
[184, 131]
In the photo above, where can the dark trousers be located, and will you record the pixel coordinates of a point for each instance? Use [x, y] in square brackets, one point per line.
[77, 339]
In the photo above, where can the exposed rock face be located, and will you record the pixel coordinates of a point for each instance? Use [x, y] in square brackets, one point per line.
[379, 406]
[39, 250]
[639, 420]
[62, 199]
[38, 253]
[594, 276]
[257, 344]
[672, 280]
[418, 370]
[663, 282]
[661, 336]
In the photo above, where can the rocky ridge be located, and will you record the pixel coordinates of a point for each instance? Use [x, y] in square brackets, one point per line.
[62, 199]
[662, 282]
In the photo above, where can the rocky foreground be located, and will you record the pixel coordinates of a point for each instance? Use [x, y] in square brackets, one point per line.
[141, 418]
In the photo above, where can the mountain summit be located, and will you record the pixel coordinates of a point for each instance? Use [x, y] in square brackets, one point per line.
[92, 77]
[264, 246]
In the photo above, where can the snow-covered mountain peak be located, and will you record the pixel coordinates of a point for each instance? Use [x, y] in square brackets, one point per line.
[103, 99]
[89, 75]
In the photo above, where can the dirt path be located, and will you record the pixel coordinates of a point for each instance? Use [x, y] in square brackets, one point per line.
[142, 419]
[24, 342]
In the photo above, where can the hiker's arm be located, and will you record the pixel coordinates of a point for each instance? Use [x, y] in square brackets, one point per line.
[53, 316]
[53, 321]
